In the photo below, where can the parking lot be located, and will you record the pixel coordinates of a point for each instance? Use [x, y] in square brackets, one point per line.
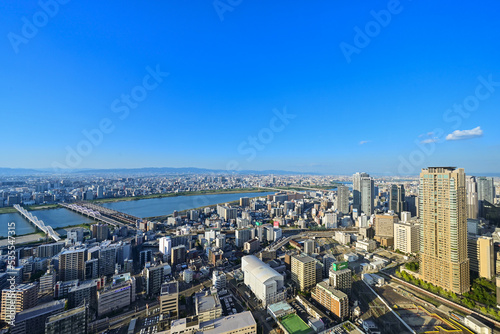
[229, 306]
[149, 325]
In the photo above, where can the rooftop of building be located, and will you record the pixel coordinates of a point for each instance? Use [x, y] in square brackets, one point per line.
[22, 287]
[476, 322]
[446, 168]
[179, 325]
[206, 303]
[259, 269]
[331, 290]
[84, 285]
[121, 278]
[69, 251]
[66, 314]
[169, 288]
[303, 258]
[279, 307]
[295, 325]
[40, 310]
[229, 323]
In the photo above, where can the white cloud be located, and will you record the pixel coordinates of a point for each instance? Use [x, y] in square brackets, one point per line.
[428, 134]
[465, 134]
[430, 140]
[363, 142]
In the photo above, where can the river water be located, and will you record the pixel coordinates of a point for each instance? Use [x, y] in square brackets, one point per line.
[62, 217]
[166, 205]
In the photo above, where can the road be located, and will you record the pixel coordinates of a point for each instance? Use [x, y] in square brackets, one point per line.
[259, 313]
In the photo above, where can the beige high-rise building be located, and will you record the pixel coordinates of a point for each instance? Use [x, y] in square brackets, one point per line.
[20, 298]
[384, 225]
[481, 256]
[303, 271]
[443, 245]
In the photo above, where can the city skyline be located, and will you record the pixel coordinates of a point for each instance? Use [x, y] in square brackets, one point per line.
[214, 88]
[249, 167]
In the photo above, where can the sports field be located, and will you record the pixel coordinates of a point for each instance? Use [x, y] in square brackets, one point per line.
[295, 325]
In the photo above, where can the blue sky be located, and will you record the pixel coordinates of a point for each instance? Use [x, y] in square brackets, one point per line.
[232, 65]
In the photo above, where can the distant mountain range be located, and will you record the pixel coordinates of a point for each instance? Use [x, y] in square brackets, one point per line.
[169, 170]
[144, 170]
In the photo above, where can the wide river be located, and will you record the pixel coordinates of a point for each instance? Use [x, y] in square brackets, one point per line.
[141, 208]
[164, 206]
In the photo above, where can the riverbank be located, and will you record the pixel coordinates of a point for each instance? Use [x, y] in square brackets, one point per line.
[184, 193]
[24, 239]
[211, 192]
[10, 209]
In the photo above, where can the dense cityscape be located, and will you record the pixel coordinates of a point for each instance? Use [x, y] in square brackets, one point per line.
[249, 167]
[307, 254]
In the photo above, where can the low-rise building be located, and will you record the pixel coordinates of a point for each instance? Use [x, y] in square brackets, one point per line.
[240, 323]
[279, 310]
[208, 307]
[366, 245]
[476, 325]
[342, 238]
